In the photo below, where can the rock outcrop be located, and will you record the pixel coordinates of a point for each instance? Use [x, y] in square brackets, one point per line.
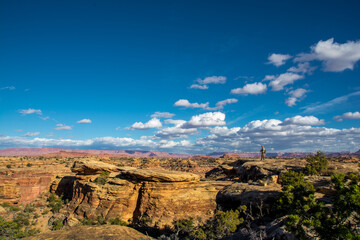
[103, 232]
[156, 195]
[238, 194]
[25, 185]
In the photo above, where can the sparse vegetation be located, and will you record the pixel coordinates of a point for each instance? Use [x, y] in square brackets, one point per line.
[103, 178]
[55, 202]
[117, 221]
[309, 218]
[318, 163]
[57, 225]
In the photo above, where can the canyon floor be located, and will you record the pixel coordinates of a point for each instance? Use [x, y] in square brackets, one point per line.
[147, 195]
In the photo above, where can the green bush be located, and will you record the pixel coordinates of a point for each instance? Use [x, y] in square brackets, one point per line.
[8, 166]
[55, 202]
[29, 165]
[308, 218]
[11, 230]
[101, 220]
[87, 221]
[318, 163]
[117, 221]
[218, 227]
[102, 179]
[57, 225]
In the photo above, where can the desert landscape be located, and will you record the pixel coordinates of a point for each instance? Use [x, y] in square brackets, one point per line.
[179, 120]
[81, 195]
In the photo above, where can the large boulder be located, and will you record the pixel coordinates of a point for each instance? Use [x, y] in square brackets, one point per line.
[91, 167]
[255, 170]
[238, 194]
[108, 232]
[158, 175]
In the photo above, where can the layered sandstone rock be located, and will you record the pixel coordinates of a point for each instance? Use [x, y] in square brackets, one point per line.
[158, 175]
[160, 196]
[103, 232]
[91, 167]
[25, 184]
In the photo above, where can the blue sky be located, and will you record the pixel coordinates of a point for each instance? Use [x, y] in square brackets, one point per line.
[233, 74]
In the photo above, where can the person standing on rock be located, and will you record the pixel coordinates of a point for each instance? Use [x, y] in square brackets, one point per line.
[262, 151]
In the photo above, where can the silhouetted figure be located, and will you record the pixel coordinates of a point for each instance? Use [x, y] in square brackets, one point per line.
[263, 151]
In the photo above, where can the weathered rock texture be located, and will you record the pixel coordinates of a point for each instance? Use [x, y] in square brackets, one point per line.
[103, 232]
[158, 195]
[24, 185]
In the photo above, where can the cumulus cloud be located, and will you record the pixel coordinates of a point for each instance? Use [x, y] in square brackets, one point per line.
[323, 107]
[162, 115]
[279, 82]
[172, 144]
[302, 67]
[8, 88]
[203, 83]
[303, 121]
[197, 86]
[250, 88]
[152, 123]
[94, 143]
[212, 80]
[185, 103]
[31, 134]
[84, 121]
[348, 115]
[296, 96]
[208, 119]
[30, 111]
[336, 57]
[221, 104]
[176, 131]
[62, 127]
[278, 59]
[273, 133]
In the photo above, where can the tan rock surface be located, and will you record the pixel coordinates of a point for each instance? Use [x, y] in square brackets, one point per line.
[159, 175]
[92, 167]
[103, 232]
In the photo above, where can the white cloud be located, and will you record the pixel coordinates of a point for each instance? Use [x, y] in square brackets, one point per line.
[203, 83]
[152, 123]
[62, 127]
[279, 82]
[273, 133]
[295, 96]
[95, 143]
[8, 88]
[335, 57]
[348, 115]
[31, 134]
[208, 119]
[177, 131]
[84, 121]
[172, 144]
[212, 80]
[30, 111]
[302, 67]
[162, 115]
[45, 118]
[251, 88]
[323, 107]
[303, 121]
[278, 59]
[185, 103]
[197, 86]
